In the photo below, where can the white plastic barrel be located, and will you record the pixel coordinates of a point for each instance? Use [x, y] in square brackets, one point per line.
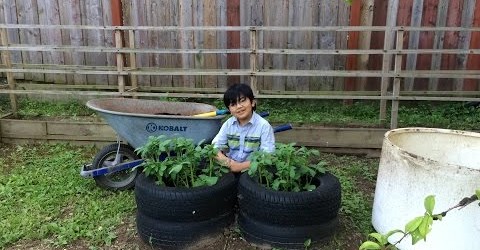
[417, 162]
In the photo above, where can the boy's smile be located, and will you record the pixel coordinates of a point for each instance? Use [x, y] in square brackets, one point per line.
[242, 109]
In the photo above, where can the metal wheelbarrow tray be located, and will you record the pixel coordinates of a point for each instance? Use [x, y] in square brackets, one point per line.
[134, 120]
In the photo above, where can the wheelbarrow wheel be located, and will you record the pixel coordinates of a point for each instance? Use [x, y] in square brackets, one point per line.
[120, 180]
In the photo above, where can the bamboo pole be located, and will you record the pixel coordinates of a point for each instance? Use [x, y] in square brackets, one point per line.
[10, 78]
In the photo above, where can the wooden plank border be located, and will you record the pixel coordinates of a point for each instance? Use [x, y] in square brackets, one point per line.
[13, 131]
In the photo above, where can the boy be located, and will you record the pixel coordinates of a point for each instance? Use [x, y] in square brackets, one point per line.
[244, 132]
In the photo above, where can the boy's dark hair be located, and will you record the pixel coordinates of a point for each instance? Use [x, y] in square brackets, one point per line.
[237, 91]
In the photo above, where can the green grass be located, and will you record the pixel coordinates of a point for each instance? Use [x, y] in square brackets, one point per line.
[43, 197]
[357, 176]
[452, 115]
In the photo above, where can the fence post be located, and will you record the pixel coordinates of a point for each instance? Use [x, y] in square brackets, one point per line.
[387, 58]
[120, 61]
[8, 64]
[133, 60]
[117, 20]
[397, 80]
[253, 59]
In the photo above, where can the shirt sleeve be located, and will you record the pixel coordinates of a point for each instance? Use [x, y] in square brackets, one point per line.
[267, 141]
[220, 140]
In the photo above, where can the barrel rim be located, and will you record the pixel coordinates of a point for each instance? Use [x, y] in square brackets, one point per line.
[415, 156]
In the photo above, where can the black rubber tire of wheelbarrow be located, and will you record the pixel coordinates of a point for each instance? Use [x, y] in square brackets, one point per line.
[130, 175]
[284, 237]
[180, 235]
[185, 204]
[290, 208]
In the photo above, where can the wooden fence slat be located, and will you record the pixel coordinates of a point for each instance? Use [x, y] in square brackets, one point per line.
[210, 41]
[464, 38]
[138, 17]
[275, 40]
[9, 10]
[109, 40]
[222, 40]
[414, 36]
[154, 14]
[186, 39]
[174, 60]
[92, 15]
[198, 39]
[341, 42]
[438, 41]
[251, 14]
[70, 14]
[27, 13]
[473, 62]
[388, 43]
[258, 19]
[49, 14]
[299, 15]
[451, 42]
[424, 61]
[364, 39]
[323, 14]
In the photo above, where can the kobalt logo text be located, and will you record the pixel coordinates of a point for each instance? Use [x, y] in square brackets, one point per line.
[152, 127]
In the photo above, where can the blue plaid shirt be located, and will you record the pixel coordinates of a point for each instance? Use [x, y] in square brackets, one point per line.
[238, 142]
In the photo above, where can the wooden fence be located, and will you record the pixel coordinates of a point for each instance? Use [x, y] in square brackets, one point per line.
[258, 13]
[196, 48]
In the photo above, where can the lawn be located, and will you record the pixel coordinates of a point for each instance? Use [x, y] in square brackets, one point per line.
[46, 204]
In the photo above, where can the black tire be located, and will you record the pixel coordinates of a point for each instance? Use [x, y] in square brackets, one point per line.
[159, 233]
[284, 237]
[185, 204]
[290, 208]
[121, 180]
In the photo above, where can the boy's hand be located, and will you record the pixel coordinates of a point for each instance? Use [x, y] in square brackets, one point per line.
[238, 166]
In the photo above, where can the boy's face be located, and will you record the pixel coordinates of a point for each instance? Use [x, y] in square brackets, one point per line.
[243, 109]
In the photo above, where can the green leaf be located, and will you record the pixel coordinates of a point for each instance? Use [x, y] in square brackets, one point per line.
[210, 180]
[416, 237]
[380, 238]
[413, 224]
[175, 169]
[477, 192]
[429, 204]
[370, 245]
[292, 173]
[310, 187]
[424, 227]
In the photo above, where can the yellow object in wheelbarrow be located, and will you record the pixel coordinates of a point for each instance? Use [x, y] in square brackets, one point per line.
[213, 113]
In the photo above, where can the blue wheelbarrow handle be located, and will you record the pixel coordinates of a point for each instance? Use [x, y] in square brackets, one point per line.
[106, 170]
[283, 127]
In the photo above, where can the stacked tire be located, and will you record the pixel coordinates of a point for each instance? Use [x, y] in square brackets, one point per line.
[171, 217]
[288, 219]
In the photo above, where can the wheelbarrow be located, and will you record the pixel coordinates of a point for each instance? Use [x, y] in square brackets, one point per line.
[115, 166]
